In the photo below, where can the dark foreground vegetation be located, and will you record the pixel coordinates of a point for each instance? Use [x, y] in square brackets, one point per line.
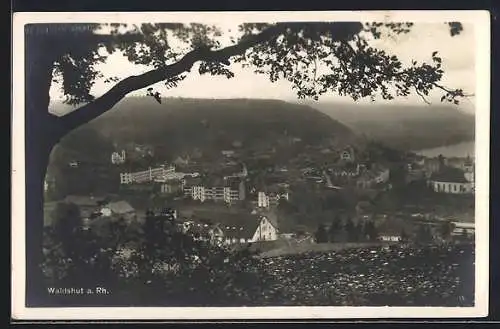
[155, 264]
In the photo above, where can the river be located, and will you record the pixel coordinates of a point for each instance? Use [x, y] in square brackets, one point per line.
[456, 150]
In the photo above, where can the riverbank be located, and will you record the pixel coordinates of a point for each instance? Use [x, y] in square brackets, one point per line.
[463, 149]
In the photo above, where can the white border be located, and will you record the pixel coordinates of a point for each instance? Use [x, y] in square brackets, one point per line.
[481, 22]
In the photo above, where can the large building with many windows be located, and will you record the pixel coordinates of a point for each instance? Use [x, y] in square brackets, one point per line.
[147, 175]
[226, 190]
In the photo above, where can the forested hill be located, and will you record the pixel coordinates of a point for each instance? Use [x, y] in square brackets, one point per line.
[179, 124]
[404, 127]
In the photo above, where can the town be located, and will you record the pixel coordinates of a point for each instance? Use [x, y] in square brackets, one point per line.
[323, 195]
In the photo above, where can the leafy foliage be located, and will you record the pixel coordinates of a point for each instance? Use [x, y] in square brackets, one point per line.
[316, 57]
[321, 235]
[446, 229]
[156, 257]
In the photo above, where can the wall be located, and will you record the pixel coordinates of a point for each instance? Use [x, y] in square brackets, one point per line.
[454, 188]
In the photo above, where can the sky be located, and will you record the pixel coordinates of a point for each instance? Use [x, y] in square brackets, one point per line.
[458, 54]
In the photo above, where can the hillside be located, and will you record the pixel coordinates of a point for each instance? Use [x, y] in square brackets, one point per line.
[179, 125]
[404, 127]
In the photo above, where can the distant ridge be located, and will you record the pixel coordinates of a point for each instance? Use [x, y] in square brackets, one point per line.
[180, 124]
[408, 127]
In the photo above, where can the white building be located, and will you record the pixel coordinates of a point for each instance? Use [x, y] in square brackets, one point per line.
[226, 191]
[233, 229]
[198, 193]
[118, 158]
[460, 228]
[390, 238]
[266, 200]
[126, 178]
[172, 186]
[451, 180]
[451, 187]
[266, 231]
[147, 175]
[119, 209]
[382, 176]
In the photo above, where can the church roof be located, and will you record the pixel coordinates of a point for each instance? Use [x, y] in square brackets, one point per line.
[448, 174]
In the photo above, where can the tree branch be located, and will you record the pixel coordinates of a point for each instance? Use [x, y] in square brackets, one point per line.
[447, 90]
[104, 103]
[422, 96]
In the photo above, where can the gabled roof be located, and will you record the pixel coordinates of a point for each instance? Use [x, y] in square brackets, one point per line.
[271, 217]
[193, 181]
[121, 207]
[449, 174]
[83, 201]
[234, 225]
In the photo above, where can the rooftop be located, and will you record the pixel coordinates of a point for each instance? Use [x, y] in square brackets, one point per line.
[121, 207]
[234, 225]
[449, 174]
[83, 200]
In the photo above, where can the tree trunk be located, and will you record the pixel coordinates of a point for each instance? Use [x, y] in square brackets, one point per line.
[37, 156]
[40, 137]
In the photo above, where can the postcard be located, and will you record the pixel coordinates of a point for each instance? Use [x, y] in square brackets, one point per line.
[250, 165]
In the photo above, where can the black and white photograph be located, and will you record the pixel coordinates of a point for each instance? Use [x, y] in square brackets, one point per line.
[250, 165]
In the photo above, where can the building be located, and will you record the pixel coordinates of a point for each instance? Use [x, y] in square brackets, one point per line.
[49, 183]
[172, 186]
[228, 153]
[450, 180]
[463, 163]
[270, 199]
[432, 165]
[89, 206]
[147, 175]
[469, 165]
[232, 228]
[230, 174]
[226, 190]
[137, 151]
[347, 170]
[74, 164]
[347, 154]
[464, 228]
[371, 178]
[415, 172]
[119, 210]
[180, 161]
[394, 229]
[118, 158]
